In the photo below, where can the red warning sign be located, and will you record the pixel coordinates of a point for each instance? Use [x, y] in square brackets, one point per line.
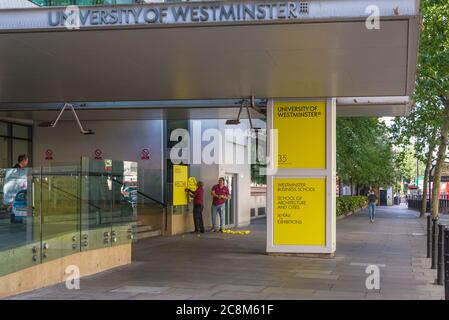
[145, 154]
[98, 154]
[49, 154]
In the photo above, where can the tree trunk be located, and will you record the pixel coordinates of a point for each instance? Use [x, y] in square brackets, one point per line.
[339, 187]
[426, 181]
[441, 156]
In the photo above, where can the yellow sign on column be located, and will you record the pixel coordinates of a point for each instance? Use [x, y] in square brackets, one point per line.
[180, 178]
[301, 129]
[299, 206]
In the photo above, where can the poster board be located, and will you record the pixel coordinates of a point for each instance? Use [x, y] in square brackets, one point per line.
[301, 127]
[180, 179]
[299, 211]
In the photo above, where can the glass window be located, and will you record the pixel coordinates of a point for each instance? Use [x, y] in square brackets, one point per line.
[19, 131]
[4, 161]
[173, 125]
[3, 129]
[15, 139]
[20, 147]
[169, 172]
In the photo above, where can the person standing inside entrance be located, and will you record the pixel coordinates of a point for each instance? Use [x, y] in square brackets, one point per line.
[198, 205]
[22, 162]
[371, 205]
[220, 193]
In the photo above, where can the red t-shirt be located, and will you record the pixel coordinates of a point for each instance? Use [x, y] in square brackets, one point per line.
[219, 192]
[199, 196]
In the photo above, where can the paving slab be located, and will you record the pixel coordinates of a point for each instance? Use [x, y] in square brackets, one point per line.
[220, 266]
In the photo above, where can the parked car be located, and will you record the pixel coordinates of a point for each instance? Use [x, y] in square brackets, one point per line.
[19, 210]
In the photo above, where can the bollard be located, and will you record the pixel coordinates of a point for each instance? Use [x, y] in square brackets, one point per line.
[440, 263]
[428, 236]
[446, 263]
[434, 243]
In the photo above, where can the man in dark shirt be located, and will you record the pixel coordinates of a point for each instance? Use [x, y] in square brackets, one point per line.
[22, 162]
[220, 193]
[198, 205]
[371, 205]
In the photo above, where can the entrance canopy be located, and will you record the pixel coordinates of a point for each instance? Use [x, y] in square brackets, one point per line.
[211, 50]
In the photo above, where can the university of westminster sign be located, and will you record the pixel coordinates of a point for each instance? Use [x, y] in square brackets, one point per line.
[182, 13]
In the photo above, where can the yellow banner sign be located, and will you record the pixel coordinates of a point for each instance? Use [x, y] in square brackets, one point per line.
[299, 207]
[180, 177]
[301, 129]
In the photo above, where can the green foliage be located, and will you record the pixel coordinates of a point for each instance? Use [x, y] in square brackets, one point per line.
[418, 130]
[423, 125]
[257, 175]
[364, 153]
[258, 160]
[405, 163]
[426, 127]
[432, 83]
[346, 204]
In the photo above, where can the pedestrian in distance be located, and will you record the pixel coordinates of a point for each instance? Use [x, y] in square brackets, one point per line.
[371, 205]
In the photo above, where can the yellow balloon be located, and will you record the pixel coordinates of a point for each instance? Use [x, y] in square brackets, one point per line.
[191, 183]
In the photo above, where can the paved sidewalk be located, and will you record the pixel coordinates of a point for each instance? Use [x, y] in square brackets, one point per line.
[222, 266]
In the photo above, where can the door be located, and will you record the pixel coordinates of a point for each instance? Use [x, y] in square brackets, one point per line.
[383, 198]
[231, 203]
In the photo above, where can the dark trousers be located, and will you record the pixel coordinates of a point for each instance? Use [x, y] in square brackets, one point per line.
[198, 217]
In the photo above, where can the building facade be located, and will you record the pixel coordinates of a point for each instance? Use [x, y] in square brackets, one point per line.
[122, 83]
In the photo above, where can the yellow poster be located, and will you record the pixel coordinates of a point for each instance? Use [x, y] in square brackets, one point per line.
[180, 177]
[299, 206]
[301, 129]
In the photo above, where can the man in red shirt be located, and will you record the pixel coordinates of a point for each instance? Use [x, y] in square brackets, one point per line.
[220, 193]
[198, 205]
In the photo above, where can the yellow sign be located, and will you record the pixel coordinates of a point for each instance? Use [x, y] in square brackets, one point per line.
[299, 207]
[180, 177]
[301, 134]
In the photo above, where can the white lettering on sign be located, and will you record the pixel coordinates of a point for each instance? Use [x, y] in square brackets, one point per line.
[171, 14]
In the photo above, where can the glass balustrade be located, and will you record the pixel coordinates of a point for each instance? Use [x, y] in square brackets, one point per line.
[47, 213]
[20, 235]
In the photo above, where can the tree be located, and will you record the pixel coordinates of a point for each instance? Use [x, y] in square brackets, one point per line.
[405, 162]
[364, 154]
[432, 83]
[418, 130]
